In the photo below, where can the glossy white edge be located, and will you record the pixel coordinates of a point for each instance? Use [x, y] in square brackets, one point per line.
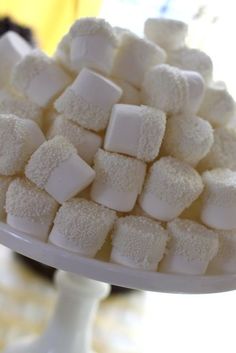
[112, 273]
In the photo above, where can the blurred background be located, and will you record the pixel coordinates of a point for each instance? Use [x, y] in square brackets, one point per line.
[128, 322]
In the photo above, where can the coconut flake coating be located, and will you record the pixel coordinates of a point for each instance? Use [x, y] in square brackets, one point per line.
[4, 183]
[151, 133]
[220, 187]
[85, 224]
[91, 26]
[174, 182]
[223, 151]
[46, 158]
[166, 88]
[192, 240]
[192, 60]
[140, 239]
[25, 200]
[21, 107]
[122, 173]
[188, 138]
[15, 147]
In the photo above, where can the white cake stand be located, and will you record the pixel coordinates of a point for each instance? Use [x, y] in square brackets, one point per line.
[70, 328]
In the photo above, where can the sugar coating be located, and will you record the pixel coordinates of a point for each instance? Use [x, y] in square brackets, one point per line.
[151, 133]
[77, 109]
[72, 132]
[220, 187]
[192, 240]
[227, 247]
[48, 157]
[168, 33]
[218, 105]
[25, 200]
[165, 88]
[131, 95]
[4, 183]
[122, 173]
[174, 182]
[62, 53]
[21, 107]
[193, 60]
[138, 52]
[223, 151]
[92, 26]
[15, 147]
[140, 239]
[85, 224]
[188, 138]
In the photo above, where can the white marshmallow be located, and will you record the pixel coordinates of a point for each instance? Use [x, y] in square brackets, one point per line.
[89, 100]
[62, 53]
[169, 34]
[219, 199]
[172, 90]
[56, 167]
[82, 226]
[136, 131]
[225, 260]
[171, 186]
[134, 57]
[19, 138]
[138, 242]
[93, 45]
[39, 78]
[4, 183]
[118, 181]
[21, 107]
[86, 142]
[223, 151]
[30, 209]
[131, 95]
[218, 106]
[12, 49]
[191, 248]
[192, 59]
[188, 138]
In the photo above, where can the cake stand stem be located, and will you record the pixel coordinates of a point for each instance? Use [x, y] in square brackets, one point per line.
[70, 328]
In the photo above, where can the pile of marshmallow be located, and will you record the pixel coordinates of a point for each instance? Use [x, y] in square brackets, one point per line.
[123, 138]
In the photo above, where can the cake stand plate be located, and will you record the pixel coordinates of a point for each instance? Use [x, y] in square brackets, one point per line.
[104, 271]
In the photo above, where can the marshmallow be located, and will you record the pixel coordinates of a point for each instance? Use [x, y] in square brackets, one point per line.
[89, 100]
[171, 186]
[188, 138]
[93, 45]
[219, 199]
[138, 242]
[56, 168]
[4, 183]
[134, 57]
[169, 34]
[191, 248]
[12, 49]
[82, 226]
[223, 151]
[62, 53]
[218, 106]
[118, 181]
[225, 260]
[86, 142]
[39, 78]
[192, 59]
[21, 107]
[136, 131]
[30, 209]
[172, 90]
[19, 138]
[131, 95]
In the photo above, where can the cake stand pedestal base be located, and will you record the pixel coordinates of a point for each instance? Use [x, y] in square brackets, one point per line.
[71, 325]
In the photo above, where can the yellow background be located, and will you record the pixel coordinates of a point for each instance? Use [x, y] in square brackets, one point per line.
[49, 19]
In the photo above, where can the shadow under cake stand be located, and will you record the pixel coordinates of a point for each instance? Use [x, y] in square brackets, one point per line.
[83, 282]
